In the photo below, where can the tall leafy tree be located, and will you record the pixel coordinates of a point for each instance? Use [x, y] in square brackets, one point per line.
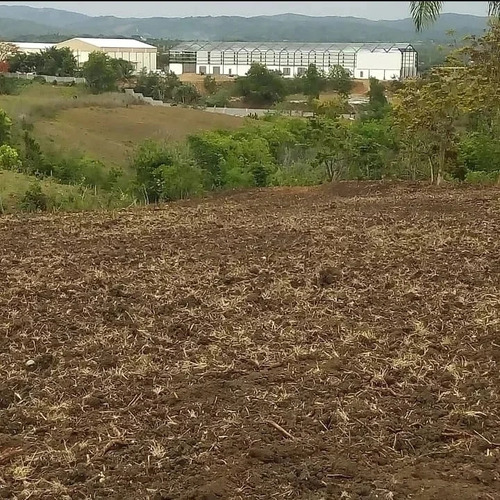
[103, 72]
[340, 80]
[313, 82]
[425, 13]
[261, 85]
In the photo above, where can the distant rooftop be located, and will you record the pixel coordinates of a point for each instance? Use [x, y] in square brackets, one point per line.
[289, 46]
[33, 45]
[115, 43]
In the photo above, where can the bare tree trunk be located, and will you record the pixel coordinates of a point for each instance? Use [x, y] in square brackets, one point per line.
[441, 163]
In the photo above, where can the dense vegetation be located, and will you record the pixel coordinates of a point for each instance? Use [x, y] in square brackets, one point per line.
[259, 87]
[443, 126]
[51, 61]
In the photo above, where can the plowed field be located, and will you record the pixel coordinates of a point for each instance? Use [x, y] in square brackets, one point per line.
[329, 343]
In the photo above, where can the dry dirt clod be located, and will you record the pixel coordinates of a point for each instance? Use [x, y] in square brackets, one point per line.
[30, 364]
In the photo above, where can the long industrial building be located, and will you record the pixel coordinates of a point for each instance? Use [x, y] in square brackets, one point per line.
[384, 61]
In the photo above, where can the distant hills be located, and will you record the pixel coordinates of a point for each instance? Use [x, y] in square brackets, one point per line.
[21, 23]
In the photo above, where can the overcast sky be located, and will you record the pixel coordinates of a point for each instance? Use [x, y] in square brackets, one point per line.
[370, 10]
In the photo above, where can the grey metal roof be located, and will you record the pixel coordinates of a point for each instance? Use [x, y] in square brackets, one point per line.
[288, 46]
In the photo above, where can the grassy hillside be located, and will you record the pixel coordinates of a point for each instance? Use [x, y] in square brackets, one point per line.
[107, 127]
[111, 134]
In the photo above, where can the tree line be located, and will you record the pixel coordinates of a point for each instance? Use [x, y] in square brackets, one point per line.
[441, 126]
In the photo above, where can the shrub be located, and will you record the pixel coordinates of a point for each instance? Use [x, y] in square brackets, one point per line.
[8, 86]
[34, 199]
[219, 99]
[166, 172]
[180, 181]
[298, 174]
[482, 178]
[5, 127]
[9, 158]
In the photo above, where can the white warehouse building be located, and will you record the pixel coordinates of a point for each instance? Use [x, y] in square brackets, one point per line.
[383, 61]
[140, 54]
[31, 47]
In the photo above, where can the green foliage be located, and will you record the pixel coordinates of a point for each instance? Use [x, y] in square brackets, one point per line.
[180, 180]
[377, 107]
[5, 127]
[209, 84]
[103, 72]
[372, 144]
[8, 86]
[219, 99]
[186, 93]
[158, 87]
[480, 152]
[313, 82]
[9, 158]
[165, 172]
[51, 61]
[261, 86]
[123, 69]
[425, 13]
[332, 108]
[34, 161]
[483, 178]
[340, 80]
[298, 174]
[34, 199]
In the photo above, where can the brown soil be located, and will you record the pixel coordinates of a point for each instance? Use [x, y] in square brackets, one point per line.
[303, 343]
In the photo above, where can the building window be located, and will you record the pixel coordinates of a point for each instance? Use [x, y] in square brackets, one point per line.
[216, 70]
[361, 74]
[203, 70]
[286, 71]
[229, 71]
[301, 71]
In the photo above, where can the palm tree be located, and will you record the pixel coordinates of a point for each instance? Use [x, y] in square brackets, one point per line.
[425, 13]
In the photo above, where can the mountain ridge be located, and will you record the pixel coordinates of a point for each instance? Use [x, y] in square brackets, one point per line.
[25, 22]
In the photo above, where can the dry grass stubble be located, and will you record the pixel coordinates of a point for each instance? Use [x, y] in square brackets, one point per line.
[287, 343]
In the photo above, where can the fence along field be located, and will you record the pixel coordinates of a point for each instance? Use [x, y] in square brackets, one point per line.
[333, 342]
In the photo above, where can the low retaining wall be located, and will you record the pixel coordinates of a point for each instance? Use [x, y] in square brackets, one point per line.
[48, 78]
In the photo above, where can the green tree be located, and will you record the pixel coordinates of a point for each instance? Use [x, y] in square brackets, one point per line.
[100, 72]
[340, 80]
[186, 93]
[427, 112]
[261, 85]
[313, 82]
[51, 61]
[5, 127]
[424, 13]
[209, 84]
[123, 69]
[156, 86]
[377, 106]
[166, 172]
[57, 62]
[330, 139]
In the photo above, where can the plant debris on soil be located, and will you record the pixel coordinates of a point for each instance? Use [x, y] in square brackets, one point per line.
[305, 343]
